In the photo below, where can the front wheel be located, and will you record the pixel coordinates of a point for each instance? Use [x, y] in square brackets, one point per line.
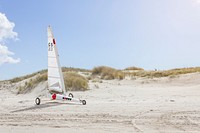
[83, 102]
[71, 95]
[37, 101]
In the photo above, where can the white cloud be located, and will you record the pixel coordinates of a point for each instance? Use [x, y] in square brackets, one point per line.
[6, 32]
[6, 28]
[5, 55]
[4, 50]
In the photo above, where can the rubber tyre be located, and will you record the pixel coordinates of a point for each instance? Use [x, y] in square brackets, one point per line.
[37, 101]
[83, 102]
[71, 95]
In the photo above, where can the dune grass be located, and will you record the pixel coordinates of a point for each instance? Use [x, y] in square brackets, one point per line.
[18, 79]
[75, 82]
[72, 69]
[32, 83]
[165, 73]
[133, 68]
[64, 69]
[107, 73]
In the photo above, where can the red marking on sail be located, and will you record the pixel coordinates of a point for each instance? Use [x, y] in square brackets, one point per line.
[54, 41]
[53, 96]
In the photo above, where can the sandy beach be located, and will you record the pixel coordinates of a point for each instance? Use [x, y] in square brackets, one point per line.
[142, 105]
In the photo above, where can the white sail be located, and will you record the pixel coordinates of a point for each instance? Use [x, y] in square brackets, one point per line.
[55, 76]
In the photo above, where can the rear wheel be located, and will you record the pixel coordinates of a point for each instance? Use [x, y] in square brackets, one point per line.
[83, 102]
[37, 101]
[71, 95]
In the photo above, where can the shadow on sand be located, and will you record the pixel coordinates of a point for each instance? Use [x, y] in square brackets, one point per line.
[41, 106]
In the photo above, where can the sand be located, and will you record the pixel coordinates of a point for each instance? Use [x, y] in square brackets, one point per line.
[141, 105]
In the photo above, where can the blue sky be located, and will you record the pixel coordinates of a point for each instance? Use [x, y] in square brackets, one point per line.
[161, 34]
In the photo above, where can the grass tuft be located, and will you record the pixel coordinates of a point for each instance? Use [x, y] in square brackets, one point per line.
[32, 83]
[166, 73]
[75, 82]
[133, 68]
[107, 73]
[18, 79]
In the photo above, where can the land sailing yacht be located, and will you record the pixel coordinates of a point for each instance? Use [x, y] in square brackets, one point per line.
[56, 88]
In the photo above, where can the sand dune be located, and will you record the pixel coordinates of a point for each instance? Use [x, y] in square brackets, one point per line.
[127, 106]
